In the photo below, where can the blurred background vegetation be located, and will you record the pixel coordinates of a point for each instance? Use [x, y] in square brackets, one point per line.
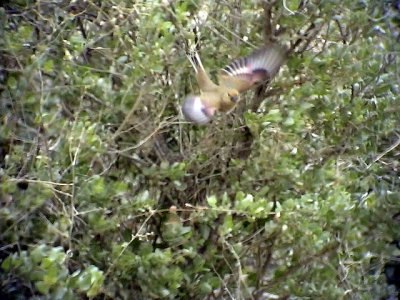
[108, 193]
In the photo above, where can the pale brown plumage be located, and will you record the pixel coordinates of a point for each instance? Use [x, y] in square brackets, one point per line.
[240, 76]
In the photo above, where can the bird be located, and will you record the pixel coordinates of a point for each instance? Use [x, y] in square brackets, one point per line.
[239, 76]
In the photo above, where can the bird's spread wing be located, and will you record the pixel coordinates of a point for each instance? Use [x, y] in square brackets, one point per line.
[262, 65]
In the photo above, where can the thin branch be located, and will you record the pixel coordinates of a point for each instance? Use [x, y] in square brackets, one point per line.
[342, 34]
[128, 117]
[289, 271]
[268, 31]
[304, 36]
[134, 237]
[395, 145]
[41, 182]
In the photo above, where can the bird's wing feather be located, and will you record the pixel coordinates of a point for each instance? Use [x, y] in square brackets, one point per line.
[262, 65]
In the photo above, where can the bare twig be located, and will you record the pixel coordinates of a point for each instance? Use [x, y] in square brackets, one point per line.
[128, 117]
[392, 147]
[326, 250]
[342, 33]
[133, 238]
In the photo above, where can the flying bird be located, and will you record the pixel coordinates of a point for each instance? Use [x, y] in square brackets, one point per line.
[241, 75]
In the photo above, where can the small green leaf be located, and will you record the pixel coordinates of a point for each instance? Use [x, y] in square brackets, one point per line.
[42, 287]
[7, 263]
[292, 4]
[212, 201]
[11, 82]
[205, 288]
[48, 66]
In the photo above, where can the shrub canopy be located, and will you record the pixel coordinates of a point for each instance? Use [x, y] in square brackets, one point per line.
[107, 193]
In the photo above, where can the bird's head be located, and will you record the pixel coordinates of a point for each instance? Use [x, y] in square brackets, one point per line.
[231, 97]
[196, 111]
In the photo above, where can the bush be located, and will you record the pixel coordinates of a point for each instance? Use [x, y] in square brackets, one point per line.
[107, 193]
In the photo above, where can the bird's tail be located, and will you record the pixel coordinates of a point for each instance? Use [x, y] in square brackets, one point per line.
[195, 60]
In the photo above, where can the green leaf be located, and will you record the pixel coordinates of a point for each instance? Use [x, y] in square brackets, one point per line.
[48, 66]
[205, 288]
[25, 32]
[292, 4]
[212, 201]
[42, 287]
[11, 82]
[7, 264]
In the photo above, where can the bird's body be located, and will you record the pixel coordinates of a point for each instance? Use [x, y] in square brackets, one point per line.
[216, 99]
[241, 75]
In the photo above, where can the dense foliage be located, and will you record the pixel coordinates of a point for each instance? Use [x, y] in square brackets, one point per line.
[107, 193]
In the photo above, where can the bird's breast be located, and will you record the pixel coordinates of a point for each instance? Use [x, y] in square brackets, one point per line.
[216, 99]
[224, 106]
